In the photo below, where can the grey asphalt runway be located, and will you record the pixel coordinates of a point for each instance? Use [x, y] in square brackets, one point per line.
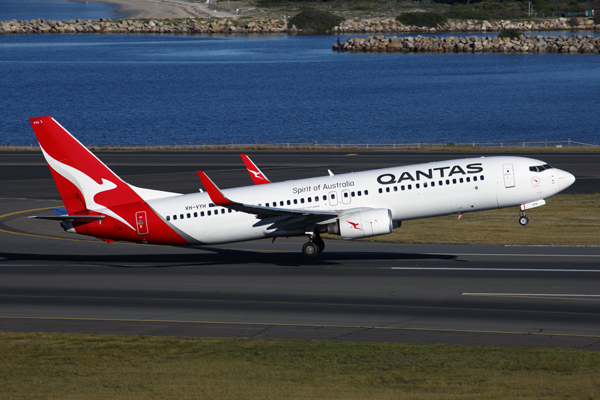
[52, 281]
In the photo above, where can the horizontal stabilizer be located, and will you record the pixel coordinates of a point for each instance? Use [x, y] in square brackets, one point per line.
[63, 215]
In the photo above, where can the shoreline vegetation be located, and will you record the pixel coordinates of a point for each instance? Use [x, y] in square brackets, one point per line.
[257, 25]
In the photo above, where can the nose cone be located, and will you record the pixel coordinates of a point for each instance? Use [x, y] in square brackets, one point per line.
[565, 179]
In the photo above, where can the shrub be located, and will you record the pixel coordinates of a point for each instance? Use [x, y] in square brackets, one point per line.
[315, 20]
[574, 22]
[428, 19]
[597, 18]
[467, 14]
[509, 33]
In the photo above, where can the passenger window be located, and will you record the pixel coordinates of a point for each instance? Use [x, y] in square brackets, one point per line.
[316, 198]
[380, 190]
[288, 203]
[223, 211]
[352, 194]
[309, 199]
[387, 189]
[168, 218]
[432, 184]
[409, 187]
[189, 216]
[345, 194]
[461, 180]
[402, 187]
[295, 201]
[324, 197]
[474, 179]
[359, 193]
[281, 203]
[366, 192]
[424, 184]
[333, 196]
[453, 180]
[417, 186]
[195, 215]
[302, 200]
[181, 216]
[447, 181]
[208, 213]
[441, 183]
[481, 177]
[202, 213]
[395, 188]
[468, 179]
[174, 217]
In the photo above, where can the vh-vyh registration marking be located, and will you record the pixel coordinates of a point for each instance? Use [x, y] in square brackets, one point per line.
[99, 203]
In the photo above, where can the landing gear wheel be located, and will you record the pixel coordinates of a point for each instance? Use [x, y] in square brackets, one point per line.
[523, 220]
[310, 249]
[319, 242]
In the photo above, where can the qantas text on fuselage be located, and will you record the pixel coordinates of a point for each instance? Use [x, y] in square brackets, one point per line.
[353, 205]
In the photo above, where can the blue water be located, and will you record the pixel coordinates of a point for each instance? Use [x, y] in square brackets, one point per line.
[175, 89]
[58, 10]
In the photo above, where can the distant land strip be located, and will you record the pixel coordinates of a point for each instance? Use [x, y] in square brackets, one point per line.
[524, 44]
[270, 25]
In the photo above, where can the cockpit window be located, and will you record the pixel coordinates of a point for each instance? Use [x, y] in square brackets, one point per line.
[540, 168]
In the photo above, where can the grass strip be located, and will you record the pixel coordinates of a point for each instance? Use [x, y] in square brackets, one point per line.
[566, 219]
[75, 366]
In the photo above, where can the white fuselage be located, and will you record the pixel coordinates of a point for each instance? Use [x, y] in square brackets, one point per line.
[409, 192]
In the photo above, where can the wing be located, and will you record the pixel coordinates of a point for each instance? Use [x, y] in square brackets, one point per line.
[255, 173]
[277, 218]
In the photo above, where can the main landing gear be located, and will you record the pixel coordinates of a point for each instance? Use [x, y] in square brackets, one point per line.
[314, 246]
[523, 220]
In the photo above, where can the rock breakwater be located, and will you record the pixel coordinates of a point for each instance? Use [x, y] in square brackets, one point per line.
[145, 26]
[457, 44]
[258, 25]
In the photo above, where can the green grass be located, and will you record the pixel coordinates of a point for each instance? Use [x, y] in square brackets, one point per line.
[58, 366]
[564, 220]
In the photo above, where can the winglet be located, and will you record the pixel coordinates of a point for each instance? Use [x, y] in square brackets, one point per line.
[255, 173]
[214, 192]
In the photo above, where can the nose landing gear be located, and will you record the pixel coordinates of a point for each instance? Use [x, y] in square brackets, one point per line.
[523, 220]
[314, 246]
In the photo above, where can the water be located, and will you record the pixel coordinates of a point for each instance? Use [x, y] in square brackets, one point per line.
[176, 89]
[58, 10]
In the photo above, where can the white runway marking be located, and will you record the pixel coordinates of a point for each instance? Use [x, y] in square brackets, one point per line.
[513, 255]
[531, 294]
[495, 269]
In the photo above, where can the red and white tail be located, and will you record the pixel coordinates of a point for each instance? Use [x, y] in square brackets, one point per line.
[84, 182]
[255, 173]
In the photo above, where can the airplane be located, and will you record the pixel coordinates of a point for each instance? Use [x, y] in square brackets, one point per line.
[353, 205]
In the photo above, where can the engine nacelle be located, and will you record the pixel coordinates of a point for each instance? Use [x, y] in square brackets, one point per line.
[366, 223]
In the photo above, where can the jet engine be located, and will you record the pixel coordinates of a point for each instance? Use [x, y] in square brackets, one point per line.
[362, 224]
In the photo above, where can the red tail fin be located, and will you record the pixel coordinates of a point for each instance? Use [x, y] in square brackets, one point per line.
[84, 182]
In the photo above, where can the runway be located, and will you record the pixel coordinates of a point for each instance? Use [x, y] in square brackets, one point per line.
[52, 281]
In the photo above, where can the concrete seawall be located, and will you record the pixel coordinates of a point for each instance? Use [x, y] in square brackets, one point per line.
[473, 44]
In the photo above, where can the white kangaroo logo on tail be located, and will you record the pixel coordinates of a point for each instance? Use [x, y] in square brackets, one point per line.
[86, 185]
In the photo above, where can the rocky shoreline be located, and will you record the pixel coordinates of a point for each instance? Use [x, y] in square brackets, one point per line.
[453, 44]
[223, 25]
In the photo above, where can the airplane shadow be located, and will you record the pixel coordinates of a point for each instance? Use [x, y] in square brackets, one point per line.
[218, 257]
